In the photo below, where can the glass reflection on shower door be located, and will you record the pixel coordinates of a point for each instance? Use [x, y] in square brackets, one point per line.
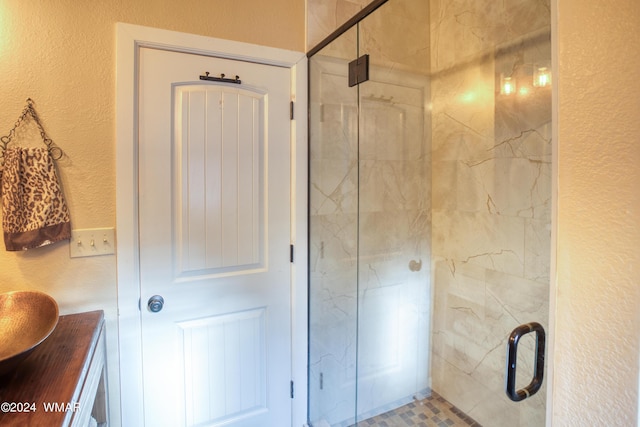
[369, 229]
[394, 289]
[333, 234]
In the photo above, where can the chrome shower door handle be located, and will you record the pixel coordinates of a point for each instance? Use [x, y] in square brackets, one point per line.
[512, 357]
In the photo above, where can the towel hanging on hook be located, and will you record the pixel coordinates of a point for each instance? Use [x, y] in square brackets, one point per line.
[55, 152]
[34, 210]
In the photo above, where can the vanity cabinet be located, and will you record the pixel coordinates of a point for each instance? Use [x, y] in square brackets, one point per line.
[63, 381]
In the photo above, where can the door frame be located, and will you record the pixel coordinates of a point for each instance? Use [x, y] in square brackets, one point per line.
[129, 39]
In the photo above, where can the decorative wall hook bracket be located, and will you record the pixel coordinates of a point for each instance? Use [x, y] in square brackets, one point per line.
[220, 79]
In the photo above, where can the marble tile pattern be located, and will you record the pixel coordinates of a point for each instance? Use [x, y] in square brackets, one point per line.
[325, 16]
[491, 201]
[468, 197]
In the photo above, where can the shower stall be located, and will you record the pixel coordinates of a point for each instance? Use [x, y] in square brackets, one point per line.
[430, 214]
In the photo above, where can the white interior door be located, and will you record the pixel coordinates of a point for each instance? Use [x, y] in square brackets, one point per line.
[214, 224]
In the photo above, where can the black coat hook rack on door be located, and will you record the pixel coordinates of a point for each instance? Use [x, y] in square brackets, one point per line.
[220, 79]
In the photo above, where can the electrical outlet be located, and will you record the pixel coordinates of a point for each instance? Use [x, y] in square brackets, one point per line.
[92, 242]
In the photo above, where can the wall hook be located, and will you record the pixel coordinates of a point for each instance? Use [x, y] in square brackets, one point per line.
[206, 76]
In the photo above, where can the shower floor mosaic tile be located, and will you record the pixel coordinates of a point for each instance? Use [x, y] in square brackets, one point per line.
[434, 411]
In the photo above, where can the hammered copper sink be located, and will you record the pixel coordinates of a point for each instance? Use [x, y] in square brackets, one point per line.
[27, 318]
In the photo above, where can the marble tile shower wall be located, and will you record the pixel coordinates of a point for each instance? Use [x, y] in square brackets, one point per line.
[324, 16]
[491, 199]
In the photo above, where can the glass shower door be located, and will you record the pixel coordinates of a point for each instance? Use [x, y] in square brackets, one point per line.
[333, 235]
[491, 201]
[430, 214]
[370, 293]
[394, 286]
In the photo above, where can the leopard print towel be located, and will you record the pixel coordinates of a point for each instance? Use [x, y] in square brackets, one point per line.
[34, 212]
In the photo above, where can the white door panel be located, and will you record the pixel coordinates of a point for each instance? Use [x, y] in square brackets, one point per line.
[214, 187]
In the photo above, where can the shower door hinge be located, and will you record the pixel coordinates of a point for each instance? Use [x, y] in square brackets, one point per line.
[359, 70]
[291, 111]
[292, 389]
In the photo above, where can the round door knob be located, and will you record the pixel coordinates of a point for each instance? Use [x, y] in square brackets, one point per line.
[155, 303]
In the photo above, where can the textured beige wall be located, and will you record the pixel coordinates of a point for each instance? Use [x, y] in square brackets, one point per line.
[62, 55]
[598, 271]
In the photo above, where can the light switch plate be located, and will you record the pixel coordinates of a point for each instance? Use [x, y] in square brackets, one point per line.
[92, 242]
